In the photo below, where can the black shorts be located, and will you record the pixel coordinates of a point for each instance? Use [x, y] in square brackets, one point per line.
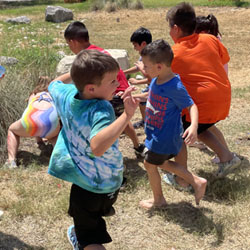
[201, 126]
[87, 209]
[118, 105]
[157, 159]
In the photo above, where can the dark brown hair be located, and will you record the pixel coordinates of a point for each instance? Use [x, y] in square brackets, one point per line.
[42, 85]
[90, 66]
[182, 15]
[207, 24]
[159, 51]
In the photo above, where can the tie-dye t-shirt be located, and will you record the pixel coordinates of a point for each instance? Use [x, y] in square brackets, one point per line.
[72, 159]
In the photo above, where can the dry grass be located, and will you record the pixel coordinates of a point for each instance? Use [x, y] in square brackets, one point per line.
[35, 203]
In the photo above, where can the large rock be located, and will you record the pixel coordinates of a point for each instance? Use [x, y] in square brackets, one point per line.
[17, 20]
[58, 14]
[120, 55]
[64, 65]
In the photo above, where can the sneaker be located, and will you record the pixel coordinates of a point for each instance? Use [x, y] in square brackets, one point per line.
[72, 237]
[139, 77]
[141, 150]
[1, 213]
[139, 124]
[10, 164]
[215, 160]
[226, 167]
[169, 179]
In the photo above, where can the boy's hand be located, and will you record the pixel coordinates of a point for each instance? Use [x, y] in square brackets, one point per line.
[139, 65]
[133, 81]
[130, 103]
[190, 135]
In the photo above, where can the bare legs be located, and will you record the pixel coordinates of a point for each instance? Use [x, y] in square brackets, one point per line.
[198, 183]
[130, 132]
[15, 131]
[213, 142]
[94, 247]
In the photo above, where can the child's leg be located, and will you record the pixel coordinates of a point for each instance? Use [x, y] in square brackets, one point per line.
[212, 141]
[87, 210]
[14, 132]
[142, 110]
[94, 247]
[155, 183]
[199, 184]
[181, 159]
[130, 132]
[214, 130]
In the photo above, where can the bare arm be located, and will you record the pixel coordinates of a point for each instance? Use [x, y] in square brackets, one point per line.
[134, 81]
[131, 70]
[65, 78]
[107, 136]
[142, 97]
[190, 134]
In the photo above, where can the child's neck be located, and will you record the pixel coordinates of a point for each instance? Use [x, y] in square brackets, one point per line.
[165, 76]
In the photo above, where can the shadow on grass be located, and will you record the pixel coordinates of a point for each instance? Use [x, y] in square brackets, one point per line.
[231, 188]
[133, 172]
[191, 219]
[26, 158]
[11, 242]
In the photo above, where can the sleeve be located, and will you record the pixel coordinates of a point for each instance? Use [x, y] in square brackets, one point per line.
[58, 91]
[182, 98]
[102, 117]
[223, 53]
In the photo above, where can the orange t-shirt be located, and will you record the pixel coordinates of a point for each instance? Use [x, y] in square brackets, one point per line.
[199, 60]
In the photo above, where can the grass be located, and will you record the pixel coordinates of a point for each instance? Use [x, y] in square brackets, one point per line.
[35, 204]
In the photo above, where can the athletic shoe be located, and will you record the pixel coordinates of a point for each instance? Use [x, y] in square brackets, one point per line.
[72, 237]
[226, 167]
[1, 213]
[10, 164]
[169, 179]
[141, 150]
[139, 124]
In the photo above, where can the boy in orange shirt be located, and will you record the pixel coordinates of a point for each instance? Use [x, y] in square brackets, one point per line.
[199, 60]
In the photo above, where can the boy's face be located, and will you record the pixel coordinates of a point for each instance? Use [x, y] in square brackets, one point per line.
[150, 68]
[108, 86]
[73, 46]
[138, 47]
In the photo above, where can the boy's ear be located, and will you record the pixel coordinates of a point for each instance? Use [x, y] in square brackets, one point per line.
[143, 44]
[89, 88]
[159, 66]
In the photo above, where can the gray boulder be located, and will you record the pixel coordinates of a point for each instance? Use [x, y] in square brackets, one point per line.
[17, 20]
[58, 14]
[120, 55]
[64, 65]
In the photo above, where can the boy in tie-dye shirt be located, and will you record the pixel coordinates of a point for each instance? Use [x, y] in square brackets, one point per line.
[86, 152]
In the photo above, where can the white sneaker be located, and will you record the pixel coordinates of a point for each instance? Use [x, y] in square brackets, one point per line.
[226, 167]
[1, 213]
[10, 164]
